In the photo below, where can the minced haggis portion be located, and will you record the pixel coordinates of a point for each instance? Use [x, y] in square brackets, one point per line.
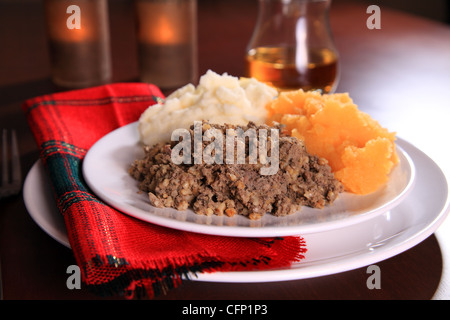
[228, 189]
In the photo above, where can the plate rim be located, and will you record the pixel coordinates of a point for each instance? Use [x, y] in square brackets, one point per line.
[343, 264]
[326, 267]
[52, 230]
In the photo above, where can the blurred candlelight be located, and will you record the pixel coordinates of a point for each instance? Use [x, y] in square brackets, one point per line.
[167, 36]
[58, 16]
[165, 33]
[165, 22]
[78, 34]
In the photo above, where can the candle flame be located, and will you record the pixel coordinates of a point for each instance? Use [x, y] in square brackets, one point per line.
[162, 22]
[165, 31]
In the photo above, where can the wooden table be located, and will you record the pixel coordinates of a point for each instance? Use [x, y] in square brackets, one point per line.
[399, 74]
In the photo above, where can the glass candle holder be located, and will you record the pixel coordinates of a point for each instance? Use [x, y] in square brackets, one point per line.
[292, 46]
[167, 42]
[79, 42]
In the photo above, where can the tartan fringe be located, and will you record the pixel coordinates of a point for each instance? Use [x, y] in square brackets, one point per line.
[140, 282]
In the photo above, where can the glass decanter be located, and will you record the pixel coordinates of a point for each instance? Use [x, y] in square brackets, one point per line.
[292, 46]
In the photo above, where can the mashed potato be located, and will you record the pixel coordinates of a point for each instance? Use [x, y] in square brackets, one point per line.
[218, 98]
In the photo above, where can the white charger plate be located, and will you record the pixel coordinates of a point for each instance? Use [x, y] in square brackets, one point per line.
[105, 170]
[329, 251]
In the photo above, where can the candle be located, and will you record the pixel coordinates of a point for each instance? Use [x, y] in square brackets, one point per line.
[167, 41]
[78, 34]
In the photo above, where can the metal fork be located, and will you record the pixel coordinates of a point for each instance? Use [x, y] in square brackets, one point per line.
[10, 183]
[11, 172]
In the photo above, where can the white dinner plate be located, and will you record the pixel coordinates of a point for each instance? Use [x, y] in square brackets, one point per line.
[41, 204]
[105, 170]
[330, 251]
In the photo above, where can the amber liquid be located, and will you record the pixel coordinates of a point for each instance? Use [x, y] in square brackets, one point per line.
[285, 69]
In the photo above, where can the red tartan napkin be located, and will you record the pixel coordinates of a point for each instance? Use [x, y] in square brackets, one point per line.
[118, 254]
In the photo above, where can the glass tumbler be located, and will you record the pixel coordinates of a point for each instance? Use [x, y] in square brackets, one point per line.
[79, 42]
[167, 41]
[292, 46]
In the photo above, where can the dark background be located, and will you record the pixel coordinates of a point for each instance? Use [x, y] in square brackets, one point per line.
[27, 16]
